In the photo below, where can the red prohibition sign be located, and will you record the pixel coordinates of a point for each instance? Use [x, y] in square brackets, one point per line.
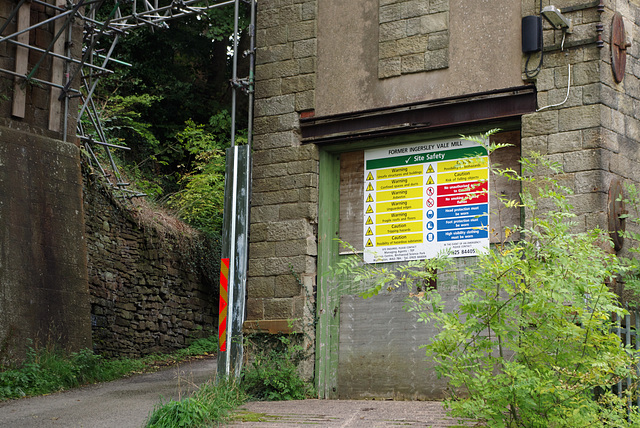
[430, 202]
[430, 191]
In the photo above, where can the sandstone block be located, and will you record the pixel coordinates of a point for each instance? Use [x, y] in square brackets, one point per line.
[301, 30]
[435, 60]
[541, 123]
[255, 308]
[300, 83]
[286, 286]
[261, 286]
[565, 142]
[389, 67]
[574, 118]
[274, 106]
[305, 100]
[268, 88]
[278, 308]
[586, 160]
[304, 48]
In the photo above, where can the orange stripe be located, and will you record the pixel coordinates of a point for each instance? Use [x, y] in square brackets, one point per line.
[224, 304]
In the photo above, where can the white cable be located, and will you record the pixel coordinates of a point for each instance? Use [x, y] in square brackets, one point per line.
[565, 98]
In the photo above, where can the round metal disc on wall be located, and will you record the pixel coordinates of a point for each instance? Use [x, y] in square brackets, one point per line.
[616, 208]
[618, 47]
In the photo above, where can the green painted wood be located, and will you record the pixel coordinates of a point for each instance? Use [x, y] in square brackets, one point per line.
[327, 328]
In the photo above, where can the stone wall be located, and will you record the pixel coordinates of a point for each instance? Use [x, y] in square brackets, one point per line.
[413, 36]
[284, 205]
[594, 133]
[43, 257]
[153, 283]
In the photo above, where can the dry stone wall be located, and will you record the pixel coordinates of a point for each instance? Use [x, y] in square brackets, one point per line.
[152, 289]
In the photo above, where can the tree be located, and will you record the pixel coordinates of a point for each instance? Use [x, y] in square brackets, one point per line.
[172, 109]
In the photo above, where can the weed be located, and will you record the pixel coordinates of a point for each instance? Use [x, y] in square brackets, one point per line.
[211, 403]
[48, 369]
[274, 376]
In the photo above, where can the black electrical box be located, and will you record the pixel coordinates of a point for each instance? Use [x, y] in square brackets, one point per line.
[531, 34]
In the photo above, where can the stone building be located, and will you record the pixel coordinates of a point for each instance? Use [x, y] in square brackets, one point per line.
[336, 81]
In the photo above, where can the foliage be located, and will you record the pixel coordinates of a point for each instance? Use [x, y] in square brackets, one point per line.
[200, 201]
[211, 403]
[274, 376]
[530, 343]
[171, 108]
[49, 369]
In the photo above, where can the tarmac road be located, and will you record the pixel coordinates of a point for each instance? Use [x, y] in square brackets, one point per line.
[126, 403]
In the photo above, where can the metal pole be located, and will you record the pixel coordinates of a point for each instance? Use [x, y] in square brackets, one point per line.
[232, 262]
[252, 64]
[234, 75]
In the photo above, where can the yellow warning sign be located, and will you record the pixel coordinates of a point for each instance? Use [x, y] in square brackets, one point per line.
[370, 176]
[369, 188]
[399, 217]
[394, 195]
[369, 210]
[369, 198]
[411, 204]
[369, 221]
[455, 177]
[387, 229]
[399, 183]
[369, 232]
[401, 239]
[430, 169]
[401, 171]
[369, 243]
[430, 180]
[455, 165]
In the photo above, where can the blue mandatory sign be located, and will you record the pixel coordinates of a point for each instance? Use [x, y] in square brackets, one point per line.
[430, 237]
[430, 225]
[430, 214]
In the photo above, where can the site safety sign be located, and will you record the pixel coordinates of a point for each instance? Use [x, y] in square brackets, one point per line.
[425, 198]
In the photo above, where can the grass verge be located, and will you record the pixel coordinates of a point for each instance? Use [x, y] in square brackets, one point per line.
[213, 402]
[46, 370]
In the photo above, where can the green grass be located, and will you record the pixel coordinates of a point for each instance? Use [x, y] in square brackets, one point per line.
[212, 403]
[46, 370]
[273, 375]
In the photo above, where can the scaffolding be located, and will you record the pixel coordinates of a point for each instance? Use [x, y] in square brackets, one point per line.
[104, 22]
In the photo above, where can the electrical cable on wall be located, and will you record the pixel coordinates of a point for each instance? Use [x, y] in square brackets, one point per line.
[533, 73]
[565, 98]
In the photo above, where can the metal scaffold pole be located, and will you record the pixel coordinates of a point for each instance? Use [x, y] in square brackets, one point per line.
[234, 261]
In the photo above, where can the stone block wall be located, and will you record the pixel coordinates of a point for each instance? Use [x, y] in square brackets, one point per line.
[153, 287]
[284, 205]
[43, 255]
[572, 133]
[413, 36]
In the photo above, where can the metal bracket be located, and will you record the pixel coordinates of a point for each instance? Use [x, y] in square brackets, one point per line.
[246, 84]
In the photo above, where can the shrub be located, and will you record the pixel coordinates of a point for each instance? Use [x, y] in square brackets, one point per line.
[273, 375]
[530, 343]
